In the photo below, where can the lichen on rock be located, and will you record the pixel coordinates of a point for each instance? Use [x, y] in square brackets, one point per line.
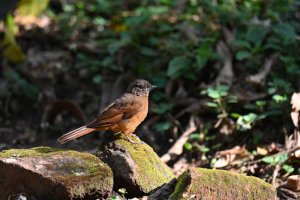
[199, 183]
[136, 167]
[49, 173]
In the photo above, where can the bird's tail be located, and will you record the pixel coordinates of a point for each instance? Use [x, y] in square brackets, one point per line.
[74, 134]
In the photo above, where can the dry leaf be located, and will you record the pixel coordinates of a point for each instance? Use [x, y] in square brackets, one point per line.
[261, 151]
[295, 101]
[221, 162]
[237, 150]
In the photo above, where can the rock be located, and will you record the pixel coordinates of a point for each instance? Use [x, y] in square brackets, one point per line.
[136, 167]
[48, 173]
[211, 184]
[163, 192]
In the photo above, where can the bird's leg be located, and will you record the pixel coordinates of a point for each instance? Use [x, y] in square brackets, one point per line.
[131, 141]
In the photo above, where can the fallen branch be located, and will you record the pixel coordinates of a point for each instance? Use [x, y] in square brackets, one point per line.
[226, 74]
[260, 77]
[177, 147]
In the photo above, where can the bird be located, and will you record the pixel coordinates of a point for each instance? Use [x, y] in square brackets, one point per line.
[123, 115]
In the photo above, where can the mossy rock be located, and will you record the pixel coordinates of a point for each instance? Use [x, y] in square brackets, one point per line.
[48, 173]
[212, 184]
[136, 167]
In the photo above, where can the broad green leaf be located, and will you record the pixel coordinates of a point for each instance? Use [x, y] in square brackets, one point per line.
[12, 50]
[289, 169]
[200, 62]
[114, 47]
[281, 158]
[27, 88]
[201, 148]
[286, 31]
[146, 51]
[163, 108]
[279, 98]
[269, 159]
[162, 126]
[32, 7]
[256, 33]
[194, 136]
[242, 44]
[212, 104]
[176, 65]
[241, 55]
[235, 115]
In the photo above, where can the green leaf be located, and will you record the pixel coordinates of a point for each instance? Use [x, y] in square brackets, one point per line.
[136, 20]
[176, 65]
[281, 158]
[12, 51]
[217, 92]
[194, 136]
[212, 104]
[163, 108]
[286, 31]
[113, 197]
[279, 98]
[201, 148]
[235, 115]
[245, 122]
[241, 55]
[269, 159]
[146, 51]
[97, 79]
[200, 62]
[32, 7]
[289, 169]
[188, 146]
[162, 126]
[256, 33]
[242, 44]
[114, 47]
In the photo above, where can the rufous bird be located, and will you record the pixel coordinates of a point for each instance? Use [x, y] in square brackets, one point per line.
[124, 115]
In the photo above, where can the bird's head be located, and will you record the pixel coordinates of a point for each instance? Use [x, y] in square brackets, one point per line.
[140, 87]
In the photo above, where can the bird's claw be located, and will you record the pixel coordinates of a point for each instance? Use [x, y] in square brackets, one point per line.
[131, 141]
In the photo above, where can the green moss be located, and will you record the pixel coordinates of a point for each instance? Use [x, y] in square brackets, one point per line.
[151, 171]
[33, 152]
[182, 183]
[222, 184]
[69, 167]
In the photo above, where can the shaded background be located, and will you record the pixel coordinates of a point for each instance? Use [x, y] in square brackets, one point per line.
[226, 71]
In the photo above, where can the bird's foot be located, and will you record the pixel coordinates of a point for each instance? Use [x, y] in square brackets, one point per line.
[131, 141]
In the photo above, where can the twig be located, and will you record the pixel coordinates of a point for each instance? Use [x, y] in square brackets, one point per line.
[275, 174]
[226, 74]
[260, 77]
[177, 147]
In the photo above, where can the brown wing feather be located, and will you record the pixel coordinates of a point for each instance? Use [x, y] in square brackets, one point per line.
[122, 108]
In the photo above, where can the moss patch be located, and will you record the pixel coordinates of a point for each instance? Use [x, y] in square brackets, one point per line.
[145, 171]
[80, 173]
[221, 184]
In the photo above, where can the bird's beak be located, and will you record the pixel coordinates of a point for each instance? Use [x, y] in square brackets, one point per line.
[153, 86]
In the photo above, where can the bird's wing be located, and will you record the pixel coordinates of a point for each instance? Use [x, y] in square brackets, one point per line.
[121, 109]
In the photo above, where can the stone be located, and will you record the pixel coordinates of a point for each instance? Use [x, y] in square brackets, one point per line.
[48, 173]
[136, 167]
[209, 184]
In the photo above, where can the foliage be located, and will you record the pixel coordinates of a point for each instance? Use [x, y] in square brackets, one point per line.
[11, 49]
[176, 45]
